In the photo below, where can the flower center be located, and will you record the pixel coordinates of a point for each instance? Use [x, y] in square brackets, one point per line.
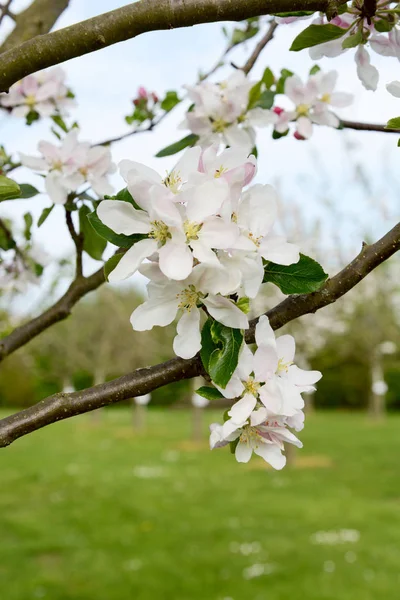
[159, 231]
[219, 125]
[249, 435]
[302, 109]
[326, 98]
[188, 298]
[83, 171]
[57, 165]
[173, 181]
[251, 386]
[30, 100]
[219, 172]
[191, 230]
[254, 239]
[282, 366]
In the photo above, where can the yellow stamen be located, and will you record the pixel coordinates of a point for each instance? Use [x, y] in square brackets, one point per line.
[159, 232]
[302, 109]
[191, 230]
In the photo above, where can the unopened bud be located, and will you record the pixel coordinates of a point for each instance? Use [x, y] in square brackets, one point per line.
[278, 110]
[298, 136]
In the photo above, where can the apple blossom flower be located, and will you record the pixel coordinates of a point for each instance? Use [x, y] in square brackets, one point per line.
[168, 298]
[367, 73]
[44, 93]
[221, 112]
[71, 165]
[312, 101]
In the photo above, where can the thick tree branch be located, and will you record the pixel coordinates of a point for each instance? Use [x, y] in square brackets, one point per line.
[59, 311]
[35, 20]
[62, 406]
[132, 20]
[259, 48]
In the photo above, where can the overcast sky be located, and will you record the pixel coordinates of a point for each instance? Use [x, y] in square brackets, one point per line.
[312, 174]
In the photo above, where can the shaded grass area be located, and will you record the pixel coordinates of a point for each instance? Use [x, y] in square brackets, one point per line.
[95, 511]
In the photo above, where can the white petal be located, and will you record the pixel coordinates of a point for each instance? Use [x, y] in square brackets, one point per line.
[33, 162]
[176, 260]
[129, 168]
[151, 313]
[304, 127]
[122, 217]
[188, 339]
[206, 200]
[55, 189]
[246, 363]
[163, 209]
[264, 333]
[258, 209]
[242, 409]
[277, 250]
[233, 389]
[265, 363]
[243, 452]
[226, 312]
[258, 416]
[216, 233]
[132, 259]
[286, 348]
[301, 377]
[203, 253]
[394, 88]
[271, 396]
[368, 75]
[272, 455]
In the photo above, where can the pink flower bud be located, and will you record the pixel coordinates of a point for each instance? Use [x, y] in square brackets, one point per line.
[278, 111]
[298, 136]
[142, 93]
[155, 97]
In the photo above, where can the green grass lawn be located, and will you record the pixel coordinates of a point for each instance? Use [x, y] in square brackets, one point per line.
[98, 512]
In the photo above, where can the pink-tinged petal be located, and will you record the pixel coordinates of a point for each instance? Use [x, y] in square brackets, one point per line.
[325, 117]
[286, 348]
[217, 439]
[277, 250]
[394, 88]
[151, 314]
[242, 409]
[368, 74]
[294, 89]
[304, 127]
[258, 416]
[265, 363]
[132, 259]
[226, 312]
[301, 377]
[29, 85]
[122, 217]
[296, 421]
[272, 455]
[217, 233]
[176, 260]
[243, 452]
[381, 45]
[206, 200]
[187, 342]
[49, 151]
[207, 158]
[265, 335]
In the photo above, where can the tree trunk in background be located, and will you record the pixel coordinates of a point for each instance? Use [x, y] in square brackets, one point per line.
[377, 397]
[139, 416]
[290, 453]
[35, 20]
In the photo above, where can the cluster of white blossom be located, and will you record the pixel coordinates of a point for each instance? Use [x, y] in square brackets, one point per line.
[380, 32]
[221, 111]
[44, 93]
[71, 165]
[206, 240]
[312, 102]
[269, 387]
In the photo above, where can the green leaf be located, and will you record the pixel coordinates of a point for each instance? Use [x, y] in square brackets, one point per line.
[60, 122]
[31, 117]
[126, 196]
[304, 277]
[118, 239]
[28, 190]
[383, 25]
[185, 142]
[207, 344]
[268, 78]
[315, 69]
[6, 240]
[244, 304]
[241, 35]
[280, 86]
[44, 215]
[393, 123]
[28, 225]
[266, 100]
[254, 94]
[232, 445]
[210, 393]
[276, 135]
[353, 40]
[111, 264]
[316, 34]
[170, 101]
[93, 243]
[9, 189]
[225, 356]
[398, 143]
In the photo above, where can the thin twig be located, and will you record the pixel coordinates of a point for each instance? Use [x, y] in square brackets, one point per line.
[5, 11]
[259, 48]
[78, 240]
[367, 127]
[62, 406]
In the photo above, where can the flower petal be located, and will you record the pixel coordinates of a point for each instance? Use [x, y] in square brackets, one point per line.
[132, 259]
[187, 342]
[226, 312]
[176, 260]
[122, 217]
[243, 452]
[242, 409]
[272, 455]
